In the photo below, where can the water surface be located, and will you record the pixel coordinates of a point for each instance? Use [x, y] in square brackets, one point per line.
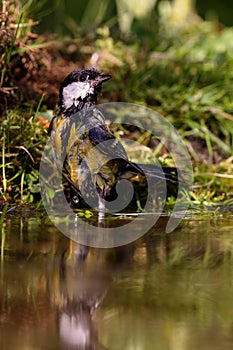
[165, 291]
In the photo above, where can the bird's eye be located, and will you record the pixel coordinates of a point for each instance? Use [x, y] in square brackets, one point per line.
[82, 78]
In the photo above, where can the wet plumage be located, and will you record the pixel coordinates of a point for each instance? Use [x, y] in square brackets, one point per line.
[90, 155]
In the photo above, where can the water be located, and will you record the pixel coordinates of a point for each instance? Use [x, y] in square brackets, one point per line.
[165, 291]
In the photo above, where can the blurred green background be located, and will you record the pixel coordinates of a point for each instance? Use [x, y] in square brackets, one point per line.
[61, 16]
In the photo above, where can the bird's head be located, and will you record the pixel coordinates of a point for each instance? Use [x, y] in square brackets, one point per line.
[79, 90]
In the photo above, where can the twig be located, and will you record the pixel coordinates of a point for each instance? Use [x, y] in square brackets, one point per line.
[220, 112]
[224, 176]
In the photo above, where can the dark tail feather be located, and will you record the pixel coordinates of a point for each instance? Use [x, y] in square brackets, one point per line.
[168, 173]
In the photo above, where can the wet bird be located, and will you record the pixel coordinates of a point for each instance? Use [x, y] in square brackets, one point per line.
[92, 158]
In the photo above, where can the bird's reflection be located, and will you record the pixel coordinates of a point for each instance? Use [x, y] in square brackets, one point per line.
[80, 279]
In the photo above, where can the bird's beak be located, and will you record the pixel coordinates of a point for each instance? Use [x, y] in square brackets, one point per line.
[100, 79]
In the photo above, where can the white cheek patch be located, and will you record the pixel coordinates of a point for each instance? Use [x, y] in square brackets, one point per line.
[74, 91]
